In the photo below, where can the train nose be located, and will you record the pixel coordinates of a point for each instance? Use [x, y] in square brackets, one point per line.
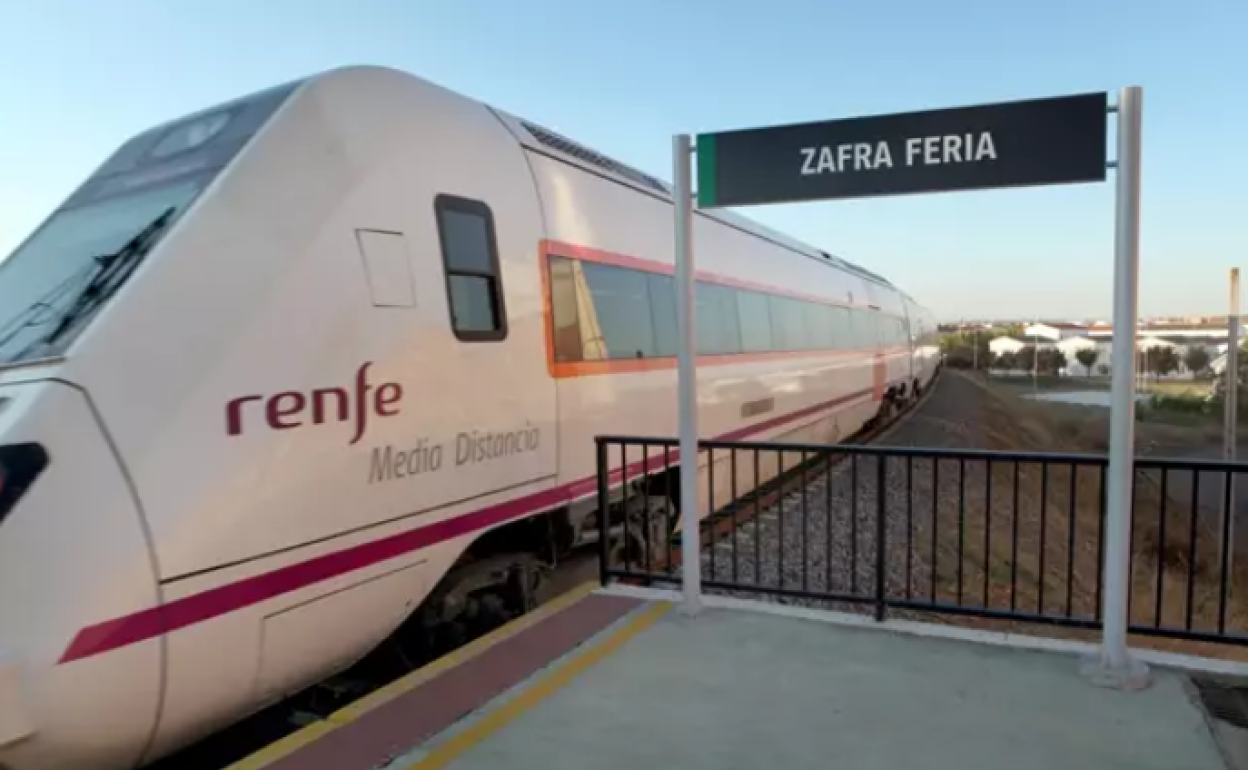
[72, 557]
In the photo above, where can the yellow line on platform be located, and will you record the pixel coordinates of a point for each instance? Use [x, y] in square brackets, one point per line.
[346, 715]
[543, 688]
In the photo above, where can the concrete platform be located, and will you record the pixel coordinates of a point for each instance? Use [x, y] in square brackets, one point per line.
[763, 686]
[373, 731]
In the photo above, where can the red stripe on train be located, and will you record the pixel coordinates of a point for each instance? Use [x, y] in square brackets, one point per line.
[180, 613]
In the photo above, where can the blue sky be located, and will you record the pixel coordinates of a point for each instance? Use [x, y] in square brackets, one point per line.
[77, 77]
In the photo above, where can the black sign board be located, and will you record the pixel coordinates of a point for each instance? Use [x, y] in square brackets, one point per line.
[1058, 140]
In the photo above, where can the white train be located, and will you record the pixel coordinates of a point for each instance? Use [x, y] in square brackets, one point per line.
[342, 367]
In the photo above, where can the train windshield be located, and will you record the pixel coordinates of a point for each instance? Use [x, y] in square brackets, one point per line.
[57, 281]
[45, 279]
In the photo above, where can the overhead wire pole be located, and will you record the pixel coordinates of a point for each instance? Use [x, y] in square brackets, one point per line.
[1113, 665]
[686, 374]
[975, 348]
[1231, 414]
[1035, 357]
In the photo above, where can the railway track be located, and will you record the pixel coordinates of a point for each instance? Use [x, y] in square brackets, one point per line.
[744, 509]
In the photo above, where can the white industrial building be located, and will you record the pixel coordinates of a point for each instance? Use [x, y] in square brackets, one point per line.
[1052, 331]
[1070, 345]
[1002, 345]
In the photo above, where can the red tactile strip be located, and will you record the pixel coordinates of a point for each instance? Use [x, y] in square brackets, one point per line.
[413, 717]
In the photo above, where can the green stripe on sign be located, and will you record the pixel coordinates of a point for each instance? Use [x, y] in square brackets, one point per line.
[706, 170]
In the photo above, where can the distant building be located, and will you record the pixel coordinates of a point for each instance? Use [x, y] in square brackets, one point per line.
[1146, 344]
[1053, 331]
[1185, 333]
[1002, 345]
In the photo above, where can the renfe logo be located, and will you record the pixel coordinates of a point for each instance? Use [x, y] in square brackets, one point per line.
[290, 408]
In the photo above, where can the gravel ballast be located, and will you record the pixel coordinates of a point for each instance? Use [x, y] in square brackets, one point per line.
[827, 542]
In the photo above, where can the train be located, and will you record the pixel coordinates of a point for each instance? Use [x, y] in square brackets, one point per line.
[299, 371]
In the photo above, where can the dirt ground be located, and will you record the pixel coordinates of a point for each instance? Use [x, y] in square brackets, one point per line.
[1022, 554]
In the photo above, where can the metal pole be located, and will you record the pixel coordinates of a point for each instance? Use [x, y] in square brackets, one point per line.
[1113, 666]
[1229, 438]
[1035, 358]
[1230, 413]
[686, 379]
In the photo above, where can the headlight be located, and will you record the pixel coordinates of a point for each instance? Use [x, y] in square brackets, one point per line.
[20, 465]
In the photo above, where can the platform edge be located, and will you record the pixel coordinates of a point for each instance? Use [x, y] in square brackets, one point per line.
[550, 682]
[287, 745]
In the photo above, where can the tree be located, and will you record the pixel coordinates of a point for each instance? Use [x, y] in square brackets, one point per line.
[1051, 361]
[1025, 357]
[959, 358]
[1162, 361]
[960, 348]
[1196, 359]
[1005, 361]
[1087, 359]
[1219, 384]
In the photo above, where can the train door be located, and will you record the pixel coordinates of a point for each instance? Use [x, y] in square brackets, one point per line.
[492, 386]
[879, 358]
[907, 341]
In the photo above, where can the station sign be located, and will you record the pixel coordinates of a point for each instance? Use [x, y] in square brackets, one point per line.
[1057, 140]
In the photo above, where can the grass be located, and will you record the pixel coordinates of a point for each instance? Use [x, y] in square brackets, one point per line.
[1059, 539]
[1176, 387]
[1181, 403]
[1068, 384]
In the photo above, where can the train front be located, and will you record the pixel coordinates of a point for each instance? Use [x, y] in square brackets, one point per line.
[74, 544]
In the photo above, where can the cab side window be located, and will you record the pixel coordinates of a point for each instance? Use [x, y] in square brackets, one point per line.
[470, 258]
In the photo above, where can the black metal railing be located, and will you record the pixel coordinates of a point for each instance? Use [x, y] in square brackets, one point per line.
[1009, 536]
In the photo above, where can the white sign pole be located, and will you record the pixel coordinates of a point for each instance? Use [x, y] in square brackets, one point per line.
[1231, 417]
[1113, 665]
[687, 384]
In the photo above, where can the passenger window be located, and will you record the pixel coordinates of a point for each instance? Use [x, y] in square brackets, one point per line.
[788, 328]
[716, 311]
[663, 314]
[470, 258]
[732, 331]
[755, 322]
[842, 328]
[861, 332]
[564, 316]
[819, 326]
[617, 295]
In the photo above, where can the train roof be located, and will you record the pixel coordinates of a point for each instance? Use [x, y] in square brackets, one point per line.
[547, 141]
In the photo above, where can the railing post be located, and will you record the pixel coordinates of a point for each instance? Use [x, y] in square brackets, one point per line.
[604, 510]
[881, 528]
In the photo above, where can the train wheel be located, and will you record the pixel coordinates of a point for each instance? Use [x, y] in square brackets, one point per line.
[885, 412]
[630, 548]
[492, 612]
